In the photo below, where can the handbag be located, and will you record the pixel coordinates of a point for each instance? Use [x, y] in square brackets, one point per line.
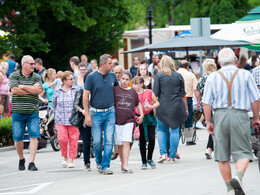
[1, 108]
[137, 133]
[76, 119]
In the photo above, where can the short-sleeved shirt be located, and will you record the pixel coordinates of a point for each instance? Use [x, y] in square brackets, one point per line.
[11, 67]
[190, 81]
[244, 90]
[24, 104]
[101, 89]
[49, 91]
[256, 75]
[125, 103]
[133, 71]
[63, 105]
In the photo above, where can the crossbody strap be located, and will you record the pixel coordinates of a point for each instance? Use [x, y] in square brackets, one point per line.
[229, 84]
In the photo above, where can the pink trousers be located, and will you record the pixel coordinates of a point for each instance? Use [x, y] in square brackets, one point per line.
[68, 134]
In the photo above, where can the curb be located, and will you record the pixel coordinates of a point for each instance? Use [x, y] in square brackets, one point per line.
[7, 148]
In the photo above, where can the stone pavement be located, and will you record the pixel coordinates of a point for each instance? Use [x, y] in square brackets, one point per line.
[192, 174]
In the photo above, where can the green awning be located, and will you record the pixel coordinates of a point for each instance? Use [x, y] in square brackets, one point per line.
[251, 17]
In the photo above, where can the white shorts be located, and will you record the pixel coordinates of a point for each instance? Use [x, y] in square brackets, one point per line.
[124, 133]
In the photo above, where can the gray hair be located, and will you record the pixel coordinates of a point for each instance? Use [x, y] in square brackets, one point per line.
[120, 66]
[104, 58]
[25, 58]
[226, 56]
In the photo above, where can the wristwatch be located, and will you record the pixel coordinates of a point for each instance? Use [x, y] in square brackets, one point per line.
[207, 122]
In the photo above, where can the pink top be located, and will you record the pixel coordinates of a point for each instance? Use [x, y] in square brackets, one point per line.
[147, 94]
[4, 84]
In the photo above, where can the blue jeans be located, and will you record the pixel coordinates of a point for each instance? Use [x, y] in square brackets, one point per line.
[19, 121]
[188, 122]
[162, 131]
[85, 133]
[99, 120]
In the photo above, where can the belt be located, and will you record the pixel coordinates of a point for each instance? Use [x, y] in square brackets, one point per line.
[189, 97]
[101, 110]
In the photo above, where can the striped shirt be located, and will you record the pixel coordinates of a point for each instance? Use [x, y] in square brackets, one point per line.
[24, 104]
[256, 75]
[63, 104]
[244, 90]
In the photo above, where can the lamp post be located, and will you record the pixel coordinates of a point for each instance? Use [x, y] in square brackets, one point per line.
[150, 25]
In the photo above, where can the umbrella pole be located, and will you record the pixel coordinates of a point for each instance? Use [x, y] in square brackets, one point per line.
[187, 54]
[201, 70]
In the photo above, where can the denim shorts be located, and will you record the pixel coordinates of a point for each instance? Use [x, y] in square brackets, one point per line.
[20, 121]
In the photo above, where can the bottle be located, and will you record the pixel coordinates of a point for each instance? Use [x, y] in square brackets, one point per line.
[146, 103]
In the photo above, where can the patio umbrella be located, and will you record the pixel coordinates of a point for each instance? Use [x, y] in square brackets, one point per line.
[188, 43]
[247, 32]
[253, 15]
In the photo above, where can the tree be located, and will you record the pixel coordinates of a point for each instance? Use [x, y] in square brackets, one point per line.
[57, 30]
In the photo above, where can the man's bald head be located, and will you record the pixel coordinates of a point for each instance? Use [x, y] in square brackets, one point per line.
[184, 64]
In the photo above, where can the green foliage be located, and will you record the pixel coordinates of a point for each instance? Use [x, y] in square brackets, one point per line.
[179, 12]
[56, 30]
[6, 127]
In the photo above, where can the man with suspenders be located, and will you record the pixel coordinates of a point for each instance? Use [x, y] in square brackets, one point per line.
[231, 93]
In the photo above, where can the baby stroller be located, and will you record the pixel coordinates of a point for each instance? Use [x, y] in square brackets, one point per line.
[47, 129]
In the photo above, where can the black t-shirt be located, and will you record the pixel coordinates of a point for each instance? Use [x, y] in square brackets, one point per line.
[101, 89]
[125, 103]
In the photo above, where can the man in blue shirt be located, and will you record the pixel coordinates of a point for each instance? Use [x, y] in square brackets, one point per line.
[100, 111]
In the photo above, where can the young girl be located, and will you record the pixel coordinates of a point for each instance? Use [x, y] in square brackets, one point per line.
[126, 100]
[143, 72]
[147, 128]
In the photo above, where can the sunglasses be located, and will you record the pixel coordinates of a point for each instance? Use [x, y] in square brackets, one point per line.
[32, 64]
[70, 79]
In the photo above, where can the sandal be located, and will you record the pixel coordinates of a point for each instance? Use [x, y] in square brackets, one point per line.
[64, 164]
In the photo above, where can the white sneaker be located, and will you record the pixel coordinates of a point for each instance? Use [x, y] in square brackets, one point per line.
[71, 165]
[199, 125]
[231, 192]
[208, 154]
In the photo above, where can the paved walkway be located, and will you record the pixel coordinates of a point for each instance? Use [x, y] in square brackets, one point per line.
[192, 174]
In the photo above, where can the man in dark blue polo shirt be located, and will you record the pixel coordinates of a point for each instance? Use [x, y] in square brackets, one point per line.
[100, 111]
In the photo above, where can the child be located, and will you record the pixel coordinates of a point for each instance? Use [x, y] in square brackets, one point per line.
[147, 128]
[126, 100]
[57, 82]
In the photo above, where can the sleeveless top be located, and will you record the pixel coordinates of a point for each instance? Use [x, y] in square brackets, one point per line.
[4, 84]
[147, 94]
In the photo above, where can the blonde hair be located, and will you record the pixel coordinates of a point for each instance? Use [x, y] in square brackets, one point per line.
[46, 76]
[4, 67]
[65, 74]
[209, 66]
[167, 65]
[59, 73]
[138, 70]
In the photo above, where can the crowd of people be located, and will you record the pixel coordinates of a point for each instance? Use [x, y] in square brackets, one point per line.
[112, 102]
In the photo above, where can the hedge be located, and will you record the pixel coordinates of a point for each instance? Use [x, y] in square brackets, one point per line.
[6, 133]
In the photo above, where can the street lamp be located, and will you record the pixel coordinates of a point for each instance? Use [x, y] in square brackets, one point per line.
[150, 26]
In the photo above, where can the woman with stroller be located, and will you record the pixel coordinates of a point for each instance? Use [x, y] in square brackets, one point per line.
[63, 99]
[209, 66]
[147, 128]
[85, 131]
[173, 109]
[48, 77]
